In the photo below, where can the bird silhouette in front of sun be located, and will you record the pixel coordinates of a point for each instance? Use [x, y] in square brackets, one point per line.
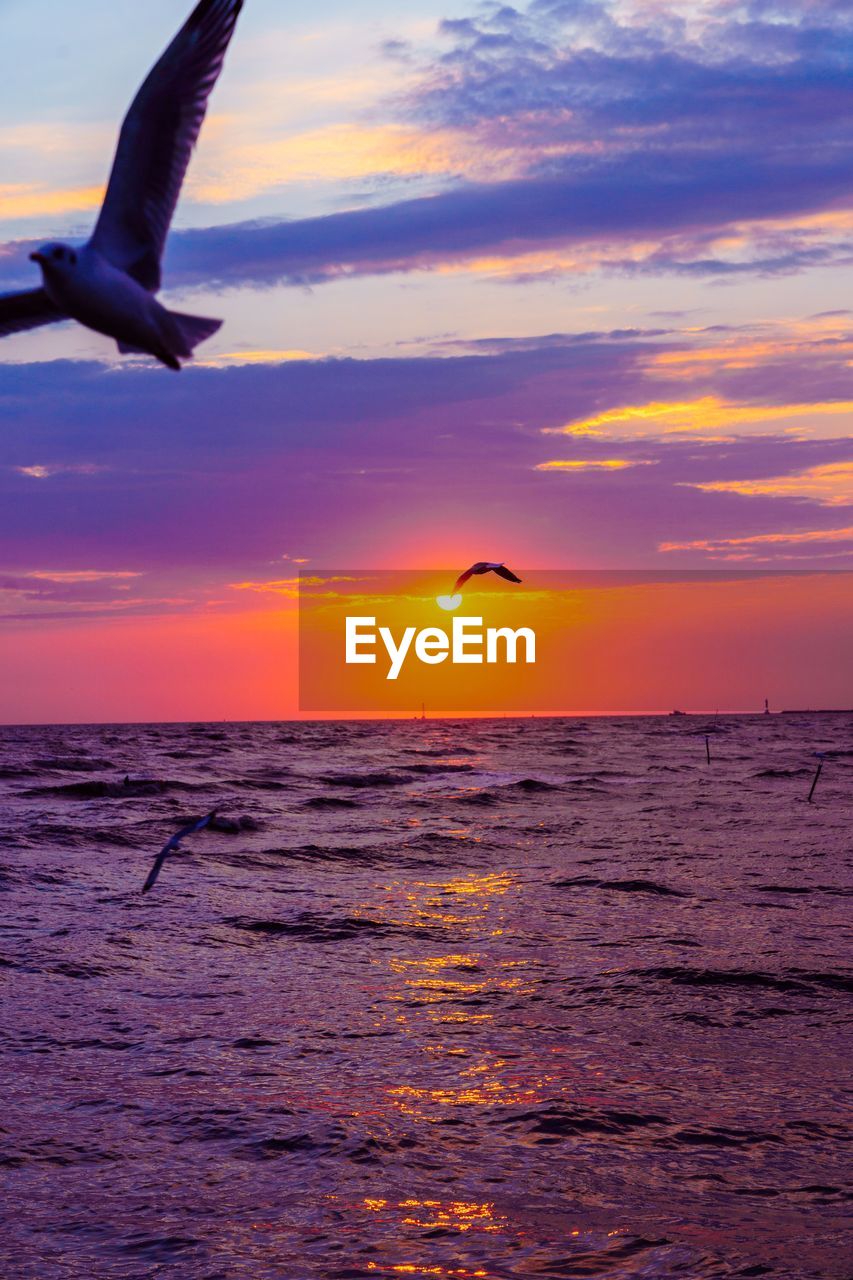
[483, 567]
[110, 284]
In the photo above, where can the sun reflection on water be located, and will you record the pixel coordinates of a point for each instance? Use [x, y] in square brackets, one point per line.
[412, 1269]
[463, 902]
[462, 1216]
[454, 1215]
[491, 1081]
[433, 985]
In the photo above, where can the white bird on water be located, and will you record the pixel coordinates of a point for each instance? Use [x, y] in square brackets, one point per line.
[173, 845]
[483, 567]
[109, 284]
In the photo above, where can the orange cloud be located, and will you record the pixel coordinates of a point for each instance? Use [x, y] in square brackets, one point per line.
[762, 540]
[80, 575]
[831, 485]
[272, 356]
[25, 200]
[597, 464]
[340, 152]
[289, 588]
[285, 587]
[706, 413]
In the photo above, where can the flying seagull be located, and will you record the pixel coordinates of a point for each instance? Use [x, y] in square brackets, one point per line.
[173, 845]
[482, 567]
[109, 284]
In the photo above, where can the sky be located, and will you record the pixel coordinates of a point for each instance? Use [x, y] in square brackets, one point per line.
[565, 284]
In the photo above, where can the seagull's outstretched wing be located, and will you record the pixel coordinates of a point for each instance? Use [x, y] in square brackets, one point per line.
[503, 572]
[463, 578]
[22, 311]
[157, 140]
[174, 844]
[158, 864]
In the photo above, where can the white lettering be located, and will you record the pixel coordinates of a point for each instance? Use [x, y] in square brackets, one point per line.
[461, 639]
[354, 640]
[395, 653]
[511, 639]
[432, 645]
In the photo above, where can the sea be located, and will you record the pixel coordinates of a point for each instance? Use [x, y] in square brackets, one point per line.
[494, 998]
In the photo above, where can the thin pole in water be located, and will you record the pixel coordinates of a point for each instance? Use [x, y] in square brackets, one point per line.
[708, 748]
[817, 775]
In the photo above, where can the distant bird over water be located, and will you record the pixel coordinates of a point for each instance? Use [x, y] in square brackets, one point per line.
[173, 845]
[109, 284]
[482, 567]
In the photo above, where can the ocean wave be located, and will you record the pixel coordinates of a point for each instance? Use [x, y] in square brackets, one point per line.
[377, 779]
[235, 826]
[531, 784]
[128, 789]
[559, 1120]
[781, 773]
[76, 764]
[782, 888]
[438, 768]
[310, 926]
[351, 855]
[794, 981]
[331, 802]
[620, 886]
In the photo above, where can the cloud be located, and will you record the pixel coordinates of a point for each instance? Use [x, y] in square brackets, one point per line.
[65, 576]
[290, 588]
[587, 206]
[26, 200]
[564, 72]
[764, 541]
[346, 152]
[272, 356]
[831, 485]
[592, 464]
[699, 416]
[204, 479]
[567, 138]
[79, 590]
[40, 471]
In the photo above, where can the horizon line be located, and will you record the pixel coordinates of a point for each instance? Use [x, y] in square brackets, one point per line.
[409, 719]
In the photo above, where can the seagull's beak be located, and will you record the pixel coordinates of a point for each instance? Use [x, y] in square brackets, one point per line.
[37, 257]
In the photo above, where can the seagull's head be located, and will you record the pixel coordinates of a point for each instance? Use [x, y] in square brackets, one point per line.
[55, 259]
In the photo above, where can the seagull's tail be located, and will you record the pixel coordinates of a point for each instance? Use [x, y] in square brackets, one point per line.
[186, 332]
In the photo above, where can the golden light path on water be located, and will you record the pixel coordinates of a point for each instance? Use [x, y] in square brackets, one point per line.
[444, 1002]
[447, 991]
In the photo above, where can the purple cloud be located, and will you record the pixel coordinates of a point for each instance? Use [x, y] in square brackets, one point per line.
[343, 460]
[622, 131]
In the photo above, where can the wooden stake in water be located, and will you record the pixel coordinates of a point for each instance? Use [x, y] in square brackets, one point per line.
[708, 748]
[817, 775]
